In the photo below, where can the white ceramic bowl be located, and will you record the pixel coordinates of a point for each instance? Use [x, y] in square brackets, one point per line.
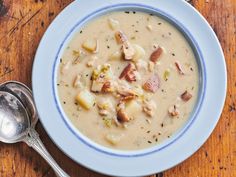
[184, 143]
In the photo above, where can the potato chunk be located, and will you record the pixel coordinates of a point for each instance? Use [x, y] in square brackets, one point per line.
[113, 24]
[85, 99]
[91, 45]
[139, 52]
[113, 138]
[133, 108]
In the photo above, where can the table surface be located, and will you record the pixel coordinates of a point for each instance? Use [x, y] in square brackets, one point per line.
[22, 24]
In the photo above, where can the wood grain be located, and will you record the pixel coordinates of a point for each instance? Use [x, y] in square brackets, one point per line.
[22, 24]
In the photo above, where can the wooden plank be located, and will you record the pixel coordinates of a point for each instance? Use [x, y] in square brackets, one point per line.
[22, 24]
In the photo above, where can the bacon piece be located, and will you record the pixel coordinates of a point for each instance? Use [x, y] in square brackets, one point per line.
[128, 50]
[129, 73]
[179, 68]
[156, 54]
[152, 84]
[120, 37]
[107, 87]
[186, 96]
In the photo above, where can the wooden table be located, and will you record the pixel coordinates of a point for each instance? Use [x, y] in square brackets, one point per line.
[22, 24]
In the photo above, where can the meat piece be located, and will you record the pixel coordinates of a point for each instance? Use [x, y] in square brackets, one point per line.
[129, 73]
[77, 82]
[122, 116]
[179, 68]
[128, 51]
[105, 108]
[107, 87]
[173, 111]
[186, 96]
[152, 84]
[149, 108]
[120, 37]
[156, 54]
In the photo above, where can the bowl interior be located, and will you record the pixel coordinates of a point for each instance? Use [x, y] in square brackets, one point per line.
[146, 9]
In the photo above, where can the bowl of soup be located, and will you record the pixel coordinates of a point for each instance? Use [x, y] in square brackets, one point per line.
[129, 79]
[127, 84]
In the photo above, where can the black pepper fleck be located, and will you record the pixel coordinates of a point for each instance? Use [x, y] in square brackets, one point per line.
[149, 142]
[81, 32]
[162, 125]
[159, 23]
[127, 12]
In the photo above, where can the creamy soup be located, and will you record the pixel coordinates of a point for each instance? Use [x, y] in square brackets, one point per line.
[128, 80]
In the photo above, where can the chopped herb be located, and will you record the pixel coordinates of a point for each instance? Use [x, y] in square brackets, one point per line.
[58, 84]
[149, 142]
[61, 60]
[81, 32]
[66, 85]
[166, 75]
[76, 53]
[127, 12]
[133, 38]
[87, 75]
[156, 139]
[192, 88]
[94, 104]
[107, 122]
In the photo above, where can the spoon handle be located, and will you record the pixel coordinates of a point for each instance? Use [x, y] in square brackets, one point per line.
[34, 141]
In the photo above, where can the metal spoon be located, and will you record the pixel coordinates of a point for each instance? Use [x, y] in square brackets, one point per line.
[26, 97]
[15, 127]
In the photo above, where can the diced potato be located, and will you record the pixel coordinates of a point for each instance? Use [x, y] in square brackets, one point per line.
[85, 99]
[116, 56]
[90, 45]
[114, 24]
[139, 52]
[113, 138]
[97, 86]
[132, 108]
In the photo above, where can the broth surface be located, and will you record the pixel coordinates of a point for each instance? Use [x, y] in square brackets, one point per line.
[154, 113]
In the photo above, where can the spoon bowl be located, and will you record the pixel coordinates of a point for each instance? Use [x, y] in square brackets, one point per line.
[26, 97]
[14, 121]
